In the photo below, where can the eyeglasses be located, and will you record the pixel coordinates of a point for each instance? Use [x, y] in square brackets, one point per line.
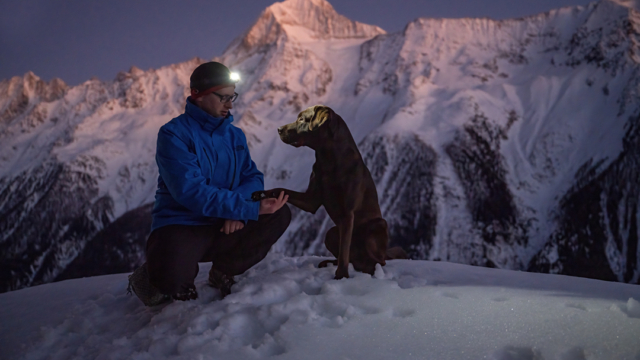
[226, 98]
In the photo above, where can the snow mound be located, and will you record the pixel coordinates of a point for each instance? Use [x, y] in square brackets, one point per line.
[288, 307]
[633, 308]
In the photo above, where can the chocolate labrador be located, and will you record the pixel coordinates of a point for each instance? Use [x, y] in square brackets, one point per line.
[342, 183]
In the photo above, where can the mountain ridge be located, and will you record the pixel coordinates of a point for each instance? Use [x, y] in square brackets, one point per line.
[481, 135]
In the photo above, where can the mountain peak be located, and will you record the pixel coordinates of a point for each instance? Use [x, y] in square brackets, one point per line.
[300, 19]
[321, 18]
[31, 85]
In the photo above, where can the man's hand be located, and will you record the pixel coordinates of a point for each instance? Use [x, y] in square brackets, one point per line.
[231, 226]
[269, 206]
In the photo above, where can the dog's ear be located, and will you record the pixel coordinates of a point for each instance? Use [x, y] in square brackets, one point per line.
[324, 114]
[320, 116]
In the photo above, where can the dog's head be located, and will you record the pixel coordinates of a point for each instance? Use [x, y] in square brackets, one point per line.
[312, 127]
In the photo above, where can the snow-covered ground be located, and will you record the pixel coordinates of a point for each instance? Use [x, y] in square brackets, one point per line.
[287, 308]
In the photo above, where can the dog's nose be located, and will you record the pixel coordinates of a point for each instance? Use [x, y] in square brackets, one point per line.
[280, 129]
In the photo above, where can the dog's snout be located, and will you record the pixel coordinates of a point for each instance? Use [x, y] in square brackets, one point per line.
[280, 130]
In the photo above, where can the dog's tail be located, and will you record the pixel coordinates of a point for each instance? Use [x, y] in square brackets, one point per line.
[396, 252]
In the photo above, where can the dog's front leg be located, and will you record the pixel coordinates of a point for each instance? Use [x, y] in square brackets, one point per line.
[307, 201]
[346, 231]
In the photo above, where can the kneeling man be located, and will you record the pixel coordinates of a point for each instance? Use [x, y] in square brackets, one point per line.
[203, 210]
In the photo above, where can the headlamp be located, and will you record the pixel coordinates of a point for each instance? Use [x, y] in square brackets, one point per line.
[234, 76]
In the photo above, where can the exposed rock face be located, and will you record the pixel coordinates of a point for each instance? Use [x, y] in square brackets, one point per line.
[597, 233]
[117, 248]
[27, 95]
[47, 214]
[404, 167]
[482, 170]
[511, 144]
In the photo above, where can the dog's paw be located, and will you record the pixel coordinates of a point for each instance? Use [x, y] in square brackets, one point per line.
[325, 263]
[258, 195]
[266, 194]
[341, 273]
[396, 252]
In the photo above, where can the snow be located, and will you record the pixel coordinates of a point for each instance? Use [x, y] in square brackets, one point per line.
[288, 308]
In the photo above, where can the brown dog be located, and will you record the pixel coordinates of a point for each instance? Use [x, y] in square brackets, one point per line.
[342, 183]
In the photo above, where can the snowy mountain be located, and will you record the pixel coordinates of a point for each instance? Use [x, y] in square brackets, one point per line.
[510, 144]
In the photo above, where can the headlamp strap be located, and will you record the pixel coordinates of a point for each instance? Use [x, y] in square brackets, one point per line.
[198, 94]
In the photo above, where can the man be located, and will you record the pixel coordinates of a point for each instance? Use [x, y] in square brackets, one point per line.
[203, 210]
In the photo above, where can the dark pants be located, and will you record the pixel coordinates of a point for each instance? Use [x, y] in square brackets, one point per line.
[173, 251]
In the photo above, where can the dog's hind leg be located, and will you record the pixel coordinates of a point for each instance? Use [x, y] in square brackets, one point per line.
[324, 263]
[345, 228]
[369, 245]
[332, 242]
[396, 252]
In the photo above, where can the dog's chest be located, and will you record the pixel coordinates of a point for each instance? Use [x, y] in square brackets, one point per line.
[340, 191]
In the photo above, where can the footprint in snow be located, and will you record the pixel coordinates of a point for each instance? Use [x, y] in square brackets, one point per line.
[403, 313]
[576, 306]
[449, 295]
[500, 299]
[576, 353]
[344, 288]
[517, 353]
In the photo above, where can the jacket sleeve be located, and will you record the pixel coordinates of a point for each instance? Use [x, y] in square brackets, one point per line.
[251, 179]
[181, 173]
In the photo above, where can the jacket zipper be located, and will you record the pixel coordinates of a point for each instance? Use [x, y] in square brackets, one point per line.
[210, 163]
[235, 165]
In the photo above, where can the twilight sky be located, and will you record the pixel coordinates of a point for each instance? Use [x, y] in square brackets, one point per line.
[78, 39]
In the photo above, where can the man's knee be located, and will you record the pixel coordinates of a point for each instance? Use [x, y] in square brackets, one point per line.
[284, 214]
[278, 221]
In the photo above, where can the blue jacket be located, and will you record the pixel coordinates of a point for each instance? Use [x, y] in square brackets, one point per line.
[206, 172]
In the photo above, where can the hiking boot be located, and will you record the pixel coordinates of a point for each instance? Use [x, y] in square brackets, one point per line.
[139, 284]
[190, 294]
[221, 281]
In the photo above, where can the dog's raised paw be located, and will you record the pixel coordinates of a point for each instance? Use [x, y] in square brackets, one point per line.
[258, 195]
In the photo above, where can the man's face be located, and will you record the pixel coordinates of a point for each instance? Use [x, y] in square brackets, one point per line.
[213, 106]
